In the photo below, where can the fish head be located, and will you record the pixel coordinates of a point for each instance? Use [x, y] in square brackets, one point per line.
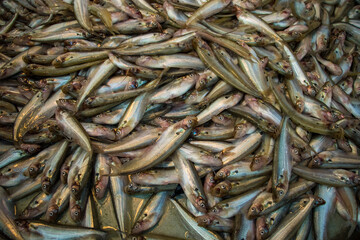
[258, 162]
[6, 71]
[315, 162]
[29, 213]
[200, 204]
[143, 224]
[88, 101]
[34, 169]
[119, 133]
[344, 145]
[336, 115]
[322, 41]
[222, 119]
[100, 189]
[280, 192]
[198, 42]
[295, 154]
[131, 85]
[221, 189]
[52, 213]
[272, 129]
[210, 179]
[189, 122]
[262, 229]
[299, 105]
[202, 81]
[263, 62]
[310, 90]
[75, 189]
[222, 174]
[6, 173]
[67, 104]
[284, 67]
[241, 130]
[215, 210]
[30, 148]
[255, 210]
[64, 174]
[134, 12]
[204, 220]
[338, 131]
[131, 188]
[46, 185]
[136, 238]
[76, 213]
[58, 61]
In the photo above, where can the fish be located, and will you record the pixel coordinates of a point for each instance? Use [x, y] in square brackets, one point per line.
[151, 213]
[172, 137]
[190, 181]
[231, 118]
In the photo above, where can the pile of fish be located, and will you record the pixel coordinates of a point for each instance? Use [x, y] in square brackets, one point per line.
[242, 115]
